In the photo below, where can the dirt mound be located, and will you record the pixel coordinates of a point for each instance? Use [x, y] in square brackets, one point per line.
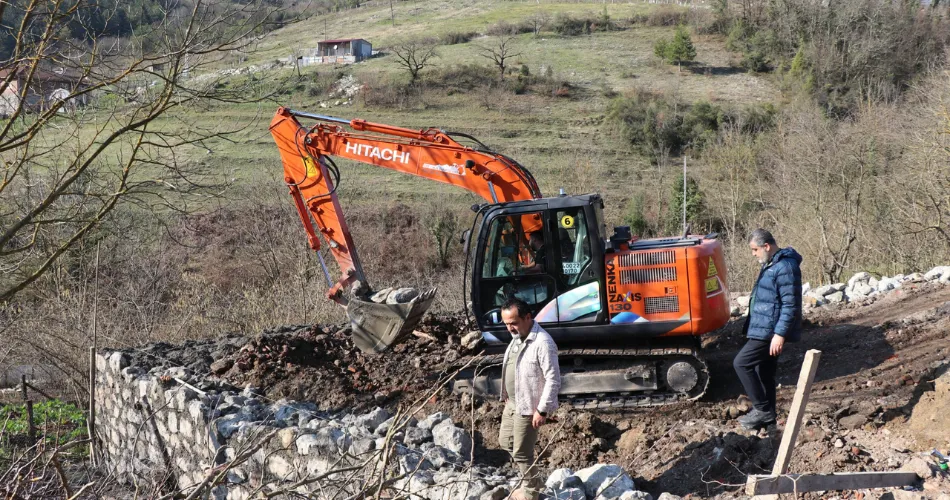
[929, 424]
[321, 364]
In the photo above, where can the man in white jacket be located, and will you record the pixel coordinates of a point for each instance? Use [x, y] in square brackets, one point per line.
[530, 383]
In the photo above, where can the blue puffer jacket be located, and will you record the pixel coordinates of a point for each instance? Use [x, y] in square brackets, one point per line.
[777, 299]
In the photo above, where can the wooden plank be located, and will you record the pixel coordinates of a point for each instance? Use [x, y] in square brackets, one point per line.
[794, 423]
[801, 483]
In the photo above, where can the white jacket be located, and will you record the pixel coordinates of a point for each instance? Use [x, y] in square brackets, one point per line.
[537, 374]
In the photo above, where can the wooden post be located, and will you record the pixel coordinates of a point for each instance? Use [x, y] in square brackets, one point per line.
[31, 429]
[91, 421]
[26, 397]
[794, 423]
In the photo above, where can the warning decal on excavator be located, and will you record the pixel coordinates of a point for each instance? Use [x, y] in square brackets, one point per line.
[712, 284]
[712, 271]
[310, 167]
[567, 222]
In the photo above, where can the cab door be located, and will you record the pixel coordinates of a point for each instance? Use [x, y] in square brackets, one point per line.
[514, 262]
[545, 256]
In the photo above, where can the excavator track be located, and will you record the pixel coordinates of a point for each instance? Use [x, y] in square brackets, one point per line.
[658, 356]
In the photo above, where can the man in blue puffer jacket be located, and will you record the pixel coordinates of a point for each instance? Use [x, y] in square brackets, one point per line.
[775, 317]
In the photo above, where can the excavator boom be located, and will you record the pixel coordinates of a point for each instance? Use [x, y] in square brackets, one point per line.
[313, 179]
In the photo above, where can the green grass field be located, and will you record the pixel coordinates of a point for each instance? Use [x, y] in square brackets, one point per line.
[561, 140]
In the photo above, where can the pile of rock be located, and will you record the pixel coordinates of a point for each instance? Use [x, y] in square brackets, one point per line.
[859, 287]
[189, 428]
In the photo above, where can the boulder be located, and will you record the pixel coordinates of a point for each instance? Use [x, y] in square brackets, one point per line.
[439, 456]
[636, 495]
[743, 301]
[806, 288]
[823, 290]
[861, 277]
[372, 420]
[557, 477]
[668, 496]
[567, 494]
[412, 462]
[432, 420]
[603, 481]
[835, 298]
[450, 437]
[416, 436]
[402, 296]
[862, 288]
[935, 273]
[381, 296]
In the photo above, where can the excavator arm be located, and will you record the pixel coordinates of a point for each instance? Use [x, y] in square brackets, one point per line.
[312, 177]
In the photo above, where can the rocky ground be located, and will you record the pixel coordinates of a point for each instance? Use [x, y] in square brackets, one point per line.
[873, 406]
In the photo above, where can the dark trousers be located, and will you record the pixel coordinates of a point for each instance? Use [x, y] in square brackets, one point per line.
[756, 369]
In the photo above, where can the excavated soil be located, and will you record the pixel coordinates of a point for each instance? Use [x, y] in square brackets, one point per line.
[872, 407]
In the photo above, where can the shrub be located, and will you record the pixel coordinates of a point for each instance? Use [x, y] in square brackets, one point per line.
[653, 125]
[666, 15]
[457, 37]
[678, 50]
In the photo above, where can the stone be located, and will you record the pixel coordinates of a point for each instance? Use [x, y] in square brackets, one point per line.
[743, 301]
[605, 481]
[432, 420]
[438, 455]
[499, 493]
[913, 278]
[835, 298]
[118, 361]
[668, 496]
[472, 339]
[251, 392]
[823, 290]
[853, 421]
[862, 288]
[361, 446]
[381, 296]
[198, 411]
[935, 273]
[229, 424]
[372, 420]
[416, 436]
[557, 477]
[636, 495]
[567, 494]
[450, 437]
[287, 437]
[411, 462]
[839, 443]
[280, 467]
[886, 284]
[806, 288]
[861, 277]
[402, 296]
[920, 467]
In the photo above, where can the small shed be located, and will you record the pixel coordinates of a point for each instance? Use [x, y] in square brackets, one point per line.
[343, 51]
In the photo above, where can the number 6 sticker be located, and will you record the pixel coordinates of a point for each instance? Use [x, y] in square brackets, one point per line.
[567, 221]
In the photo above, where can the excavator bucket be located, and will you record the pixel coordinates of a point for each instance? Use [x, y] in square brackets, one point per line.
[376, 327]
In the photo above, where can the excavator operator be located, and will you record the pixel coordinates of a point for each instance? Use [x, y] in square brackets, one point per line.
[536, 242]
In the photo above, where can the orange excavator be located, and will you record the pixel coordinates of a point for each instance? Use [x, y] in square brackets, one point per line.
[626, 314]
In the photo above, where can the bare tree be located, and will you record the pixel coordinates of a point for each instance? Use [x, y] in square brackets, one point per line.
[414, 55]
[90, 123]
[538, 21]
[500, 52]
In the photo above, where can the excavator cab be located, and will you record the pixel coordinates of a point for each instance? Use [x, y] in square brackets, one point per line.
[547, 252]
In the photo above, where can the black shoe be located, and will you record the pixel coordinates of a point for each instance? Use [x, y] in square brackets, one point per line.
[756, 418]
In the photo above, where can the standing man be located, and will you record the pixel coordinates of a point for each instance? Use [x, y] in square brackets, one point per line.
[775, 317]
[530, 383]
